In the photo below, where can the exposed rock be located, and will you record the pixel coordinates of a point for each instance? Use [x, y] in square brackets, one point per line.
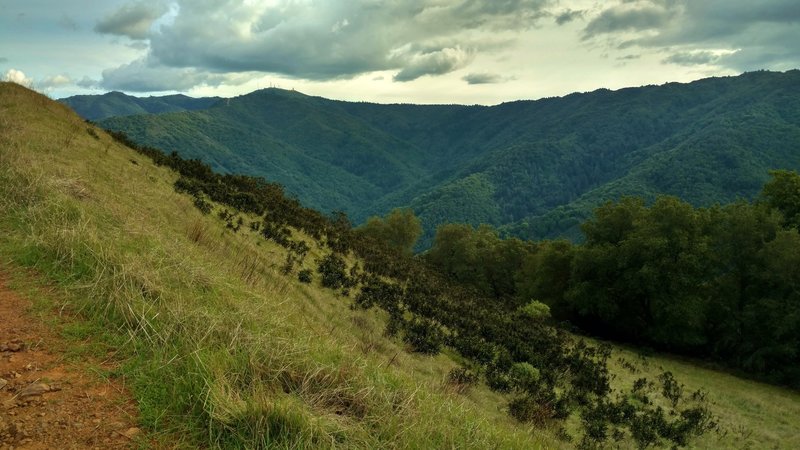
[14, 346]
[33, 390]
[3, 383]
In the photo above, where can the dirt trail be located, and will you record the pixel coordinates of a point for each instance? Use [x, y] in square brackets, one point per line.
[47, 402]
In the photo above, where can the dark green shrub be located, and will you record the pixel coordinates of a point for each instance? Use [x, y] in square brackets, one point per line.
[424, 336]
[332, 269]
[202, 205]
[304, 276]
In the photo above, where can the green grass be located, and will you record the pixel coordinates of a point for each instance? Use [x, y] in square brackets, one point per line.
[750, 414]
[221, 349]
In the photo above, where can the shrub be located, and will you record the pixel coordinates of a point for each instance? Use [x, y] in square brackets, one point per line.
[536, 310]
[304, 276]
[202, 205]
[424, 336]
[524, 377]
[461, 379]
[332, 269]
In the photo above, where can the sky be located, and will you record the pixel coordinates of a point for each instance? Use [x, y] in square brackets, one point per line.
[389, 51]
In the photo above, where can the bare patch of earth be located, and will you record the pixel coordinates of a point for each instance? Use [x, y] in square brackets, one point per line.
[49, 402]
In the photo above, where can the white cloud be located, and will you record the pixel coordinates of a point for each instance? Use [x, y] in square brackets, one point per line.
[19, 77]
[55, 82]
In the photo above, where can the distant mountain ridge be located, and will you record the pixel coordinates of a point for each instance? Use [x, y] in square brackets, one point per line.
[112, 104]
[532, 168]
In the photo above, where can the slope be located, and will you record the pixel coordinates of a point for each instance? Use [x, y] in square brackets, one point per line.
[328, 159]
[219, 348]
[99, 107]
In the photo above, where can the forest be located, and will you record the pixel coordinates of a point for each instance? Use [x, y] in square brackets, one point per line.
[718, 283]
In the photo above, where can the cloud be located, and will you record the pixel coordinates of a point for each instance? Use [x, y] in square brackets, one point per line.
[482, 78]
[87, 83]
[132, 20]
[327, 40]
[692, 58]
[144, 75]
[568, 16]
[624, 18]
[17, 76]
[437, 62]
[54, 82]
[138, 45]
[730, 34]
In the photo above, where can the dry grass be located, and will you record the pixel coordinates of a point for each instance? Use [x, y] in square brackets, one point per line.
[221, 349]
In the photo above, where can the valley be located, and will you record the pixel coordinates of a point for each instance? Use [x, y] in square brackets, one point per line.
[532, 169]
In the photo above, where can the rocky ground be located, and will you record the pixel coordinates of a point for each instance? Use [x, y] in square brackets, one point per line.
[50, 402]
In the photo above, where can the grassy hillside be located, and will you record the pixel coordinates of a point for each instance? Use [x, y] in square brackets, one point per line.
[99, 107]
[536, 168]
[229, 354]
[223, 350]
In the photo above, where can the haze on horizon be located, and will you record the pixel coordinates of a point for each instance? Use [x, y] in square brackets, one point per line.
[417, 51]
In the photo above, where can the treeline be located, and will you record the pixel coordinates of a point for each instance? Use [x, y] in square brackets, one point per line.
[431, 303]
[720, 282]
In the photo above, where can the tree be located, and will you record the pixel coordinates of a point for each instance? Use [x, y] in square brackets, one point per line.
[400, 229]
[545, 275]
[782, 192]
[642, 272]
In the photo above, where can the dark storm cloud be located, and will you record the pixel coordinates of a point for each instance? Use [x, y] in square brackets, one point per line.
[737, 34]
[132, 20]
[483, 78]
[321, 40]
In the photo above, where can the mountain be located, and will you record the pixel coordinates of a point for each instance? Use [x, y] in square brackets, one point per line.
[532, 168]
[99, 107]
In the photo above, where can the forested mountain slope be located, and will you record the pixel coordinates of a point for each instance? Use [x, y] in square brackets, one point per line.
[533, 168]
[99, 107]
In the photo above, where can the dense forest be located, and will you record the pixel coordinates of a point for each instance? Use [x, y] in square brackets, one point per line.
[718, 282]
[112, 104]
[532, 169]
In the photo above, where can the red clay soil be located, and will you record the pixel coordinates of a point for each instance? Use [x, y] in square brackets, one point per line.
[48, 402]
